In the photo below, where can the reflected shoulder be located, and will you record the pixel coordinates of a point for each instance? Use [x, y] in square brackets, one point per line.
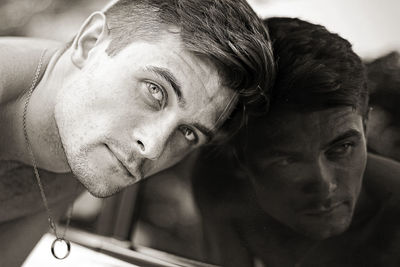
[382, 176]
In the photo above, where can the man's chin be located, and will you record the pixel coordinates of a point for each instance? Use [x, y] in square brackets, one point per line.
[104, 184]
[322, 235]
[101, 188]
[323, 232]
[101, 192]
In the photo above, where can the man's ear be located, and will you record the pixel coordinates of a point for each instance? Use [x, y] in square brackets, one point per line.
[92, 32]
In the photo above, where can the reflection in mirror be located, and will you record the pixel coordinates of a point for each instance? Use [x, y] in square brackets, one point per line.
[297, 186]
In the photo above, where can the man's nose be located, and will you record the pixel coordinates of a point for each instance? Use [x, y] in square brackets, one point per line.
[321, 180]
[152, 137]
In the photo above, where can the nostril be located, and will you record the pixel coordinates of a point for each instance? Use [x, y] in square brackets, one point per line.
[141, 145]
[315, 187]
[332, 187]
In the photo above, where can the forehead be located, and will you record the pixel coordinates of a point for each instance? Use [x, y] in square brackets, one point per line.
[199, 79]
[291, 130]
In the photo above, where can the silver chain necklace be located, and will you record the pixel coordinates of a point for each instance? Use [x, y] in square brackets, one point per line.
[59, 238]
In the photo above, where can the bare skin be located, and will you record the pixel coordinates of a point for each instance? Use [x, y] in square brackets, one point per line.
[309, 199]
[371, 239]
[110, 120]
[22, 216]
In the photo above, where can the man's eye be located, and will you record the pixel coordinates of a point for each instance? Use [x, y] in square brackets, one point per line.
[156, 92]
[341, 150]
[189, 134]
[284, 161]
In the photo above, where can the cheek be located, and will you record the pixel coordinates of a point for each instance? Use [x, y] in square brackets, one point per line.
[274, 194]
[177, 148]
[112, 99]
[279, 178]
[108, 84]
[350, 174]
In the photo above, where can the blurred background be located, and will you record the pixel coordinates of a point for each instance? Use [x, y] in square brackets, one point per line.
[160, 213]
[372, 27]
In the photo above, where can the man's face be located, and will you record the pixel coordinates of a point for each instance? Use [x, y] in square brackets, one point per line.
[308, 169]
[126, 117]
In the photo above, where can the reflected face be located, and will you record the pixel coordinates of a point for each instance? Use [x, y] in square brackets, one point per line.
[126, 117]
[307, 173]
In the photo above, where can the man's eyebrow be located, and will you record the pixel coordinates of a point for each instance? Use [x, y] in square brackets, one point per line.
[204, 130]
[277, 152]
[170, 78]
[345, 135]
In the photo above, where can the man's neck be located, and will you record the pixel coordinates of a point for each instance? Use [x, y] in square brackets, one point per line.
[41, 126]
[288, 246]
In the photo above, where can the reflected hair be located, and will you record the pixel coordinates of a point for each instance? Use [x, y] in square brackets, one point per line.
[316, 69]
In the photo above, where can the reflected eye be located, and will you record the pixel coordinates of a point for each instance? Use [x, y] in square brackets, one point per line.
[341, 150]
[156, 92]
[189, 134]
[284, 161]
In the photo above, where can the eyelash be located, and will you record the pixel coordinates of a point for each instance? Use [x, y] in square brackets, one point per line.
[164, 98]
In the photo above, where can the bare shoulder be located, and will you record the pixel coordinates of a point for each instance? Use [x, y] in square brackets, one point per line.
[18, 60]
[382, 175]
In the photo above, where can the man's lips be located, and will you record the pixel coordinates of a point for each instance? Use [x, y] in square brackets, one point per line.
[129, 170]
[323, 210]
